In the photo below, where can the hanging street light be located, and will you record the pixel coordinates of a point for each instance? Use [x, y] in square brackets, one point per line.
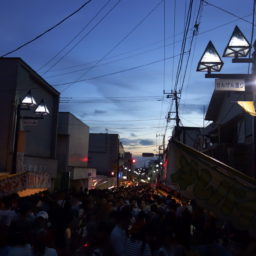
[42, 109]
[210, 60]
[27, 103]
[238, 45]
[237, 48]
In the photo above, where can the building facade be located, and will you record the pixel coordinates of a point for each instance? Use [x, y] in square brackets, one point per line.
[36, 137]
[106, 153]
[72, 152]
[230, 137]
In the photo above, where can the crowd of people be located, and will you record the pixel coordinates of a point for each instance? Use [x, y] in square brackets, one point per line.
[118, 222]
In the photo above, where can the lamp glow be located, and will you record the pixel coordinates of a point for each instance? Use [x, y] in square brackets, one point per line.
[210, 60]
[238, 45]
[42, 109]
[28, 101]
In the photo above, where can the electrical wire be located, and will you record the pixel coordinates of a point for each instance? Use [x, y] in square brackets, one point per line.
[252, 32]
[46, 31]
[144, 52]
[174, 32]
[183, 46]
[92, 29]
[116, 72]
[164, 63]
[72, 40]
[119, 42]
[226, 11]
[122, 120]
[195, 32]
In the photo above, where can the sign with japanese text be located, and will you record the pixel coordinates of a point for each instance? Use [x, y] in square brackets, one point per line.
[20, 181]
[229, 85]
[228, 193]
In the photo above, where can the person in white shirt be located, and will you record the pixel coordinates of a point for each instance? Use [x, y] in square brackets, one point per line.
[118, 236]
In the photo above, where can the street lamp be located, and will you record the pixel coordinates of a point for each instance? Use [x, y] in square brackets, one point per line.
[27, 103]
[210, 60]
[238, 45]
[42, 109]
[28, 100]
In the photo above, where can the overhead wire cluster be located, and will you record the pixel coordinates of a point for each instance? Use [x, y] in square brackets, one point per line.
[186, 48]
[184, 55]
[46, 31]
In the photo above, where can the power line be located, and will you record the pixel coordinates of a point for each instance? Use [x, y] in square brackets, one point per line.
[121, 41]
[252, 32]
[183, 46]
[116, 72]
[76, 36]
[226, 11]
[124, 128]
[174, 32]
[195, 32]
[106, 63]
[92, 29]
[46, 31]
[123, 120]
[143, 52]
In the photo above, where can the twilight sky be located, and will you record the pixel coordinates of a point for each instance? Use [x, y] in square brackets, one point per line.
[112, 60]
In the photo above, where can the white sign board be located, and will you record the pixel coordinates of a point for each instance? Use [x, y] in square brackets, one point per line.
[229, 85]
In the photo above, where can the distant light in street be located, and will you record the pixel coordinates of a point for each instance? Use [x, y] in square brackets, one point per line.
[84, 159]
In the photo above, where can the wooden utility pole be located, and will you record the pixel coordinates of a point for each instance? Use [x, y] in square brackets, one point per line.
[175, 96]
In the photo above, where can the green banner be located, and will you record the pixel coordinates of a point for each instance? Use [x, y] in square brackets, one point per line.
[230, 194]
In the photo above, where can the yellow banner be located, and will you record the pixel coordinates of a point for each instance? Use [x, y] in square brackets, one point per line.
[230, 194]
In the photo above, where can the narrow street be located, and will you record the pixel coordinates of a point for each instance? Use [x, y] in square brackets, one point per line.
[136, 220]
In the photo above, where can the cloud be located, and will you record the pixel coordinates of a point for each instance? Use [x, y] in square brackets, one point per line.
[83, 115]
[192, 108]
[146, 142]
[133, 135]
[98, 111]
[137, 142]
[129, 142]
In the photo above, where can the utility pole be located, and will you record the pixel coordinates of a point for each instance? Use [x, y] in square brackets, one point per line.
[254, 119]
[175, 96]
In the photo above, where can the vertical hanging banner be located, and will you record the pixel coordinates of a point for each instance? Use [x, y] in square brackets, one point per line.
[230, 194]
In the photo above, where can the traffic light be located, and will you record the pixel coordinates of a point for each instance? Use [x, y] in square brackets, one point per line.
[133, 161]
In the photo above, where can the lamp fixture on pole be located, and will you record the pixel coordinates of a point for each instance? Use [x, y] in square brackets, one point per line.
[42, 109]
[238, 48]
[238, 45]
[27, 103]
[210, 60]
